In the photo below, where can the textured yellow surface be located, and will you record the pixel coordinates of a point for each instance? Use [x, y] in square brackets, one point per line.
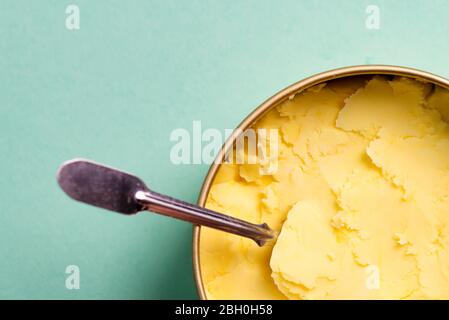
[361, 191]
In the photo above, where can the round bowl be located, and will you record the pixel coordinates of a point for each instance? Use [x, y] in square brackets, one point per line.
[272, 102]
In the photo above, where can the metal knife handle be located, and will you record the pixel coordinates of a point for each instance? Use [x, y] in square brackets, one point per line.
[178, 209]
[118, 191]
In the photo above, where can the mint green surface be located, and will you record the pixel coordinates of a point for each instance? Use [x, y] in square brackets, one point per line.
[115, 89]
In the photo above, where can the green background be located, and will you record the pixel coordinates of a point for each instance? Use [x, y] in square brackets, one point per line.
[115, 89]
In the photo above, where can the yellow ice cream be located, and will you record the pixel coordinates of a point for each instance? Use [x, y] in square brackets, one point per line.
[360, 198]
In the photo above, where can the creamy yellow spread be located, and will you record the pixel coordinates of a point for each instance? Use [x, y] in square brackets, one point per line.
[360, 198]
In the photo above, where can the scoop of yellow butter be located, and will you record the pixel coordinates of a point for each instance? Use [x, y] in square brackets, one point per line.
[360, 198]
